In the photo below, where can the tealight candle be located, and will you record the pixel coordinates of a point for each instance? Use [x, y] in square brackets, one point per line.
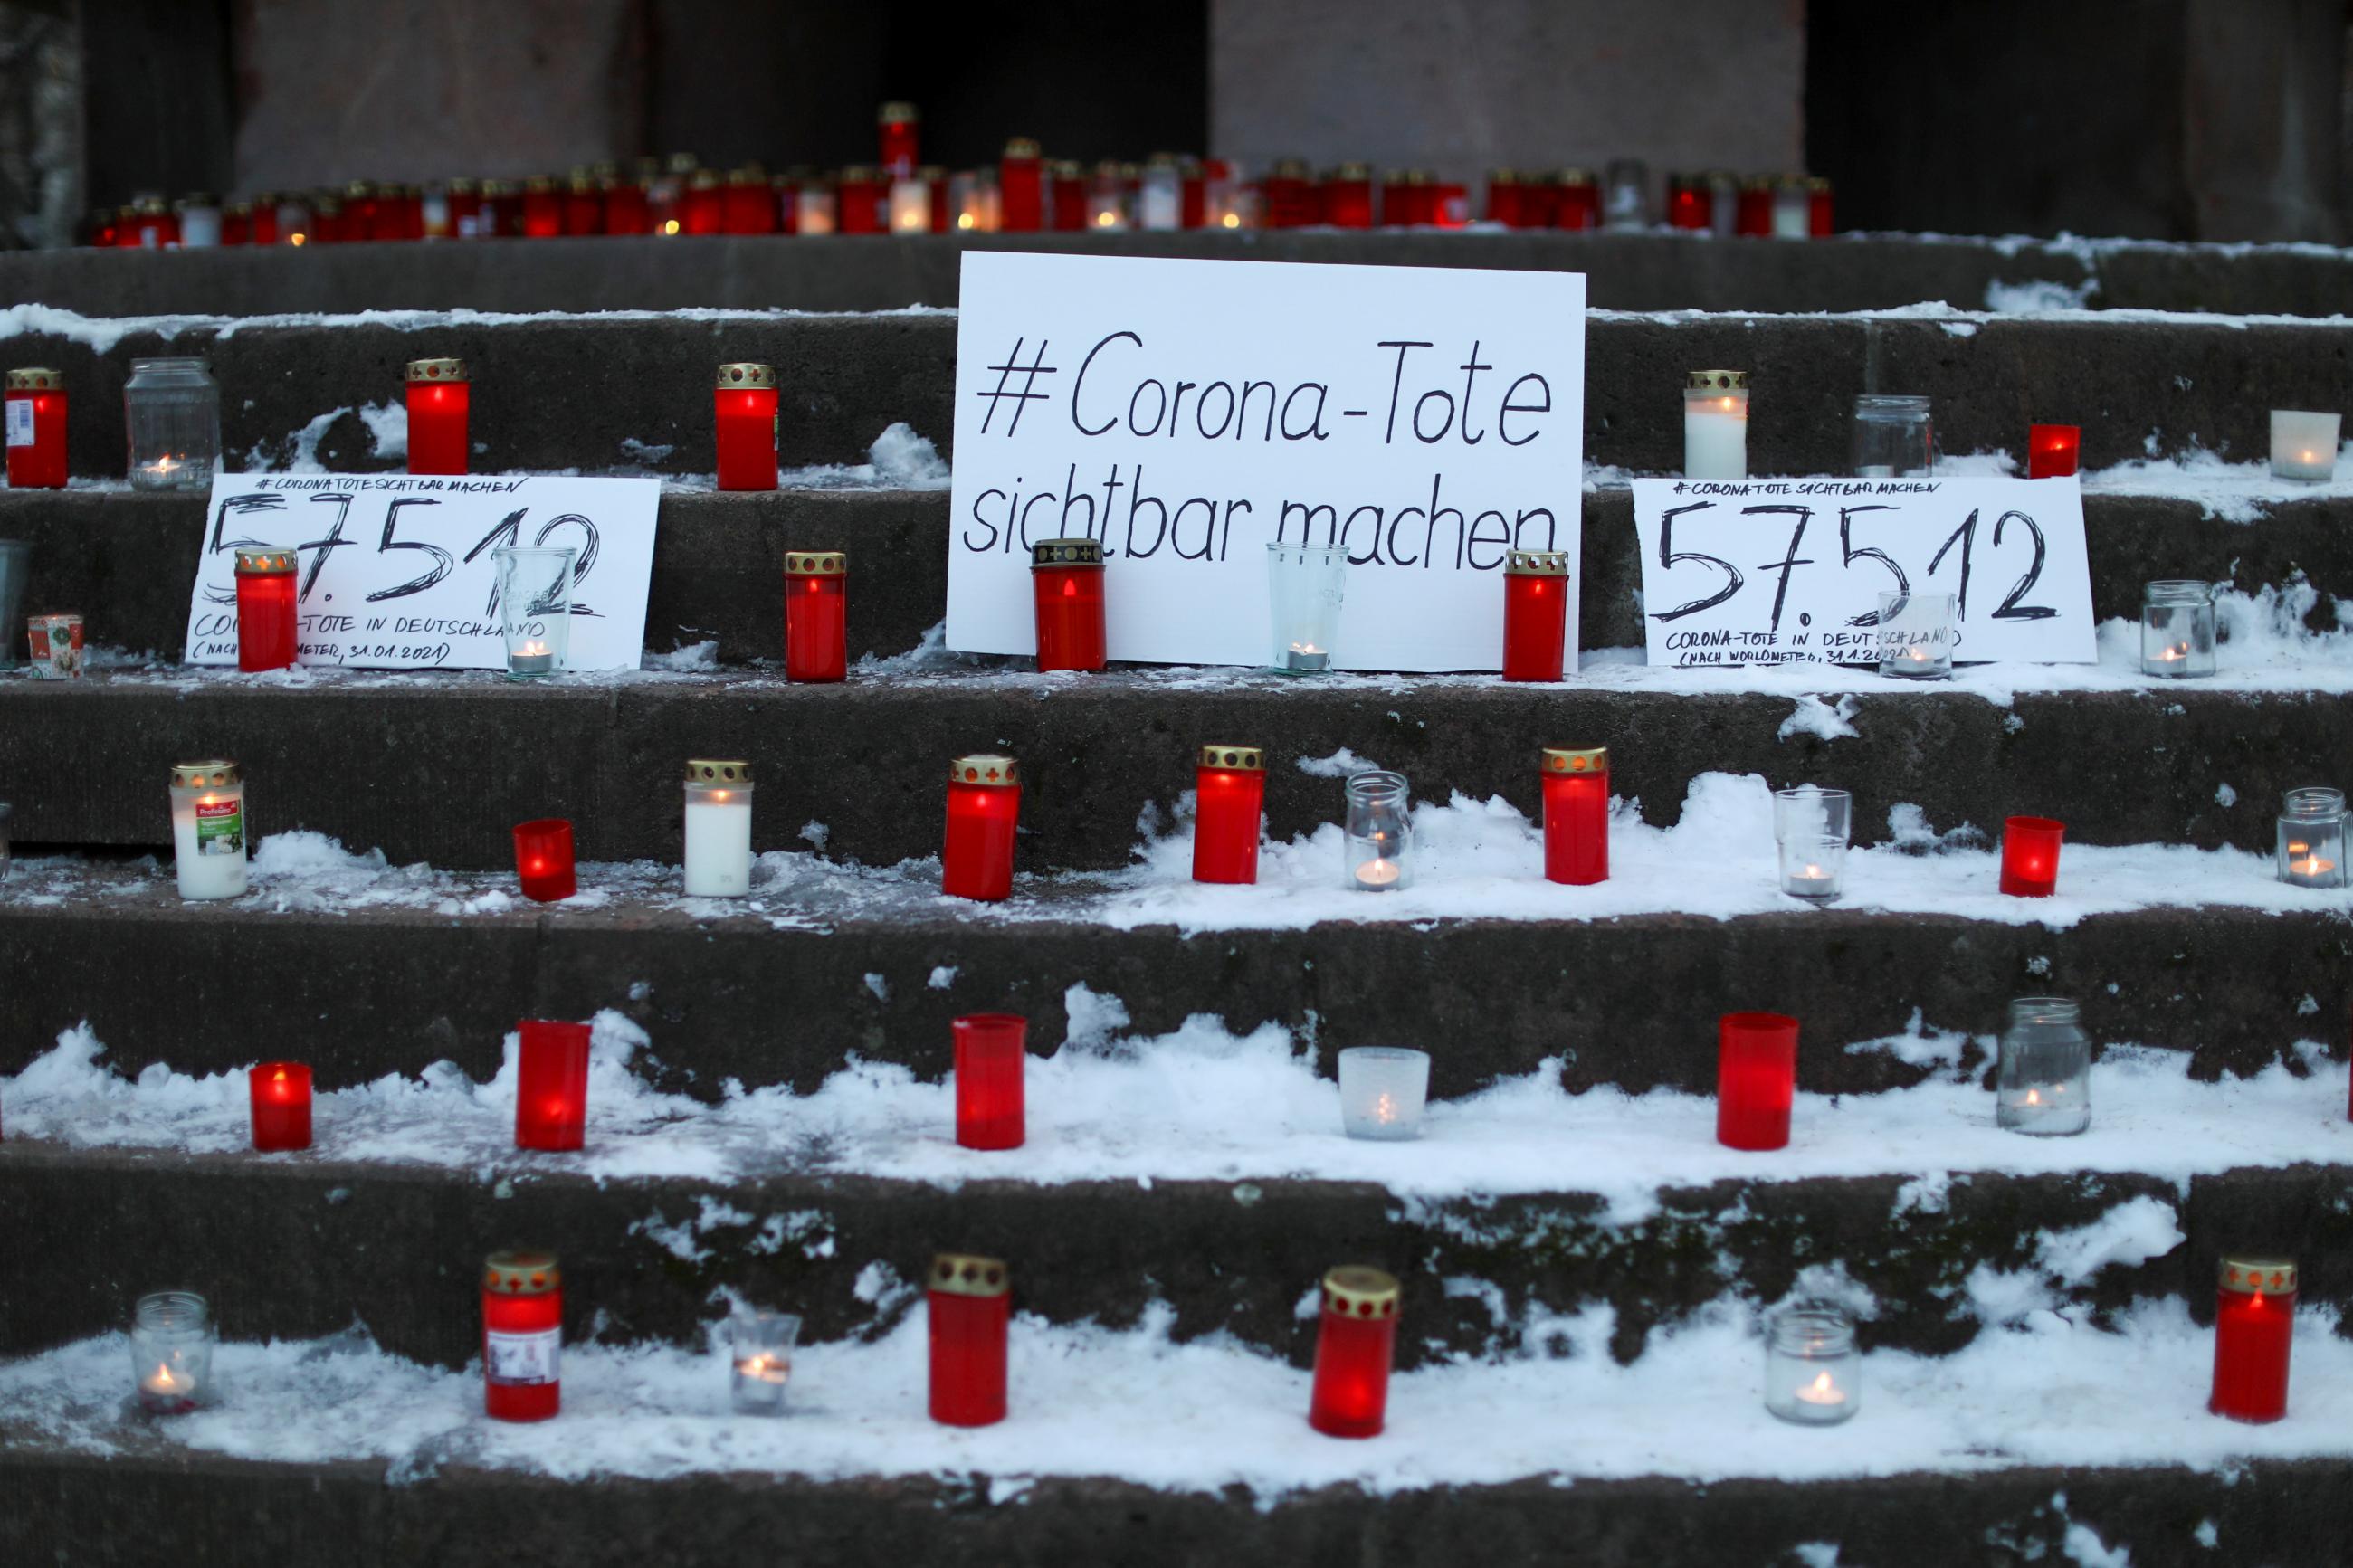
[1536, 614]
[761, 1344]
[991, 1057]
[967, 1300]
[984, 808]
[2304, 445]
[1380, 844]
[280, 1093]
[439, 395]
[523, 1336]
[1575, 815]
[35, 404]
[2030, 855]
[172, 1351]
[266, 615]
[2177, 629]
[208, 829]
[1756, 1079]
[1382, 1091]
[1813, 1371]
[2254, 1328]
[1355, 1343]
[718, 830]
[743, 411]
[550, 1085]
[1066, 585]
[543, 862]
[1230, 802]
[817, 627]
[2051, 450]
[2311, 837]
[1811, 827]
[1715, 425]
[1915, 636]
[2044, 1085]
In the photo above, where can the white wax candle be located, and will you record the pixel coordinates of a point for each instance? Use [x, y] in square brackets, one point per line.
[911, 206]
[1716, 438]
[208, 843]
[718, 843]
[1822, 1390]
[1791, 216]
[1159, 203]
[2304, 446]
[814, 211]
[1380, 874]
[200, 226]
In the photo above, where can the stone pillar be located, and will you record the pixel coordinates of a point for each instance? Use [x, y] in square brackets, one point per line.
[40, 124]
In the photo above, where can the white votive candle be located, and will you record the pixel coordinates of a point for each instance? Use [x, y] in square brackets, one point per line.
[2304, 445]
[911, 206]
[718, 830]
[208, 829]
[1382, 1091]
[1715, 425]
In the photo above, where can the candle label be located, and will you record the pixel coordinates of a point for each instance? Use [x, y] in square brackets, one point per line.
[524, 1358]
[20, 422]
[220, 827]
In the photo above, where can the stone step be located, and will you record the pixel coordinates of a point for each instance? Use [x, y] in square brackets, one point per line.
[126, 560]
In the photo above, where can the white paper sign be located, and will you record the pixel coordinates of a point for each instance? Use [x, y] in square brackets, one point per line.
[1187, 414]
[395, 571]
[1790, 571]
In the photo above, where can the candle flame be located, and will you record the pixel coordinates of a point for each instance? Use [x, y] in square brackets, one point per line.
[1385, 1108]
[2033, 1097]
[1105, 219]
[964, 220]
[669, 226]
[1822, 1383]
[167, 1380]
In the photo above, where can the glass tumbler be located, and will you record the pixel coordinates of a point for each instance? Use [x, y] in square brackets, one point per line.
[535, 607]
[1893, 438]
[171, 415]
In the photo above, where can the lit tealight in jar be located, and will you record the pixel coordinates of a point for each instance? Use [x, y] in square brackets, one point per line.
[2044, 1085]
[1381, 832]
[761, 1343]
[172, 1351]
[1813, 1369]
[2312, 838]
[1382, 1091]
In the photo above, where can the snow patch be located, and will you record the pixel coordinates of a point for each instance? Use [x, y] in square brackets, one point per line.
[1341, 765]
[1814, 717]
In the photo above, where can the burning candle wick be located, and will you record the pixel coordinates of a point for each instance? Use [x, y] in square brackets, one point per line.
[1821, 1391]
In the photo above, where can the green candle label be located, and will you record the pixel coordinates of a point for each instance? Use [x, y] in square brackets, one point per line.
[220, 827]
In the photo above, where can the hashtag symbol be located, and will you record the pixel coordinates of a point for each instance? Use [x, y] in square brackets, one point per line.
[1005, 373]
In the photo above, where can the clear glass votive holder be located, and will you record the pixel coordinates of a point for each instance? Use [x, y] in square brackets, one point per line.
[2177, 629]
[172, 1351]
[2311, 838]
[1892, 437]
[1381, 832]
[1626, 195]
[1915, 636]
[2304, 445]
[760, 1349]
[2043, 1086]
[171, 416]
[1813, 1368]
[1812, 826]
[1304, 585]
[1382, 1091]
[535, 606]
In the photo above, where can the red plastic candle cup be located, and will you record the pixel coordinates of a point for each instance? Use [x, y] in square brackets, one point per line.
[747, 205]
[1539, 202]
[1756, 1079]
[542, 208]
[1288, 198]
[898, 138]
[1066, 579]
[968, 1301]
[1504, 197]
[2254, 1324]
[1536, 614]
[627, 209]
[1355, 1345]
[1067, 183]
[1021, 189]
[1752, 213]
[440, 394]
[543, 859]
[584, 206]
[2030, 855]
[1819, 224]
[1230, 796]
[744, 410]
[1348, 196]
[1576, 814]
[858, 204]
[984, 805]
[2051, 450]
[265, 609]
[282, 1105]
[990, 1054]
[816, 625]
[552, 1085]
[1192, 194]
[1690, 205]
[703, 210]
[523, 1336]
[36, 409]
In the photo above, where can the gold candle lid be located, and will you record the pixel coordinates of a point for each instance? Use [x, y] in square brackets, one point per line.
[1239, 759]
[1537, 564]
[965, 1274]
[266, 562]
[37, 378]
[426, 370]
[816, 562]
[702, 771]
[523, 1271]
[1716, 381]
[746, 373]
[1066, 553]
[1353, 1290]
[1022, 147]
[1571, 759]
[2259, 1276]
[215, 774]
[985, 768]
[897, 112]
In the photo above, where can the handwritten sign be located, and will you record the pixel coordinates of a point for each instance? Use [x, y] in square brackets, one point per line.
[1790, 571]
[1188, 413]
[395, 571]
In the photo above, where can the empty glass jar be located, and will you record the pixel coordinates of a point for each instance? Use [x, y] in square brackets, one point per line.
[1813, 1368]
[172, 1351]
[2177, 629]
[1305, 582]
[1893, 438]
[171, 410]
[1380, 834]
[2043, 1087]
[2312, 838]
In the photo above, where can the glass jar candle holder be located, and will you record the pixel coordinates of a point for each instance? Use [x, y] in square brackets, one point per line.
[280, 1097]
[2042, 1086]
[2052, 450]
[16, 571]
[2254, 1328]
[1626, 195]
[534, 589]
[1382, 1091]
[760, 1345]
[2030, 855]
[1715, 425]
[1379, 850]
[1022, 186]
[1066, 585]
[440, 395]
[1792, 216]
[1535, 614]
[2311, 837]
[816, 615]
[1229, 806]
[984, 809]
[1575, 815]
[2177, 629]
[968, 1302]
[208, 829]
[1355, 1343]
[171, 1339]
[1915, 636]
[266, 617]
[171, 413]
[35, 404]
[54, 644]
[911, 206]
[2304, 445]
[543, 862]
[1812, 827]
[744, 411]
[991, 1059]
[718, 828]
[1813, 1368]
[1756, 1079]
[815, 212]
[1160, 197]
[523, 1336]
[1306, 583]
[550, 1085]
[1892, 437]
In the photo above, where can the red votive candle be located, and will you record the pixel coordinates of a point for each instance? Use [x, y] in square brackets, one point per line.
[857, 206]
[1066, 579]
[1536, 614]
[542, 208]
[440, 394]
[584, 205]
[543, 859]
[1021, 189]
[1287, 197]
[1192, 192]
[989, 1057]
[265, 609]
[744, 409]
[704, 209]
[1690, 205]
[2254, 1324]
[1354, 1344]
[523, 1336]
[36, 407]
[1818, 207]
[1504, 197]
[1756, 1079]
[984, 805]
[898, 140]
[817, 626]
[1539, 202]
[1348, 196]
[1752, 213]
[1576, 814]
[627, 209]
[1580, 199]
[282, 1105]
[969, 1301]
[1229, 799]
[552, 1085]
[1068, 184]
[748, 206]
[2051, 450]
[2030, 855]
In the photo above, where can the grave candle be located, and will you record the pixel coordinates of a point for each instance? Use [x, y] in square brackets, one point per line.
[1287, 198]
[2177, 629]
[1813, 1371]
[718, 830]
[1229, 801]
[628, 209]
[172, 1351]
[1756, 1079]
[1160, 197]
[2042, 1086]
[816, 599]
[1379, 843]
[1722, 202]
[1818, 207]
[1575, 815]
[760, 1343]
[208, 829]
[584, 205]
[967, 1302]
[1066, 581]
[523, 1336]
[744, 411]
[911, 206]
[155, 227]
[1225, 199]
[990, 1057]
[1348, 196]
[1192, 192]
[1536, 614]
[542, 208]
[2030, 855]
[1754, 215]
[984, 805]
[544, 864]
[1382, 1091]
[266, 617]
[704, 208]
[1715, 425]
[747, 205]
[1355, 1341]
[2311, 842]
[2051, 450]
[35, 410]
[280, 1093]
[1626, 201]
[2254, 1326]
[1021, 189]
[1067, 191]
[1792, 216]
[1580, 199]
[858, 208]
[1690, 203]
[899, 137]
[1107, 200]
[815, 210]
[1504, 197]
[439, 393]
[550, 1085]
[2304, 445]
[501, 211]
